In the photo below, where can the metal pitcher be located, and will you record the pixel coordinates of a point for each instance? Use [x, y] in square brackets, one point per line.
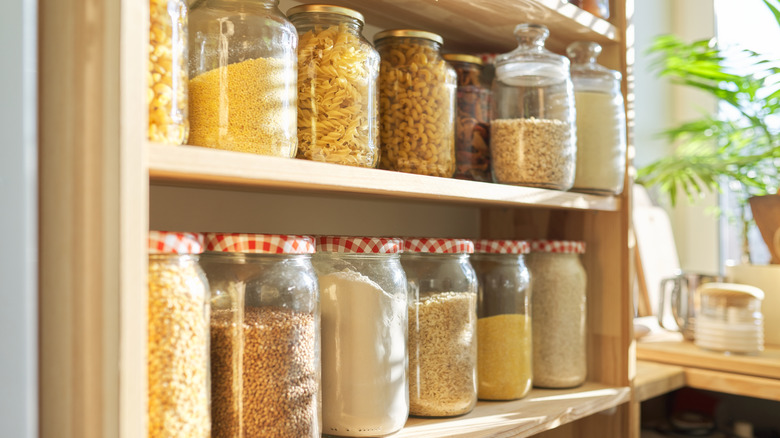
[683, 299]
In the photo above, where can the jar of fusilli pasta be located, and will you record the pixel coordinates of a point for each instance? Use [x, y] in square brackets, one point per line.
[416, 103]
[338, 70]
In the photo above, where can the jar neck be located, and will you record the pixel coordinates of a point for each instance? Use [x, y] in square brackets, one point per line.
[395, 40]
[249, 258]
[305, 22]
[509, 259]
[159, 258]
[460, 257]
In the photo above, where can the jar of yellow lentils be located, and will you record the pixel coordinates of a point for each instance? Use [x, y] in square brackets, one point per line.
[416, 103]
[504, 347]
[338, 70]
[243, 74]
[167, 78]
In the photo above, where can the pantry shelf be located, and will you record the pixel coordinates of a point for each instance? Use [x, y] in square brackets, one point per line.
[191, 166]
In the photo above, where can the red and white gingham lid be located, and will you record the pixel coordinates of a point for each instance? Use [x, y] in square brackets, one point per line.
[359, 245]
[558, 246]
[439, 246]
[260, 243]
[171, 242]
[499, 246]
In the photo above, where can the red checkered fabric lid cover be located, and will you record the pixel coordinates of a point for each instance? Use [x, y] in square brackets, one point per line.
[260, 243]
[502, 246]
[558, 246]
[170, 242]
[359, 245]
[442, 246]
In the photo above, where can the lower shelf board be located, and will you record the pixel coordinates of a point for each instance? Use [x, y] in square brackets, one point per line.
[541, 410]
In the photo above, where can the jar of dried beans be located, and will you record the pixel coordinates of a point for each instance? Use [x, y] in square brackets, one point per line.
[442, 326]
[559, 307]
[364, 321]
[243, 74]
[338, 70]
[472, 122]
[532, 129]
[265, 362]
[504, 324]
[416, 103]
[178, 337]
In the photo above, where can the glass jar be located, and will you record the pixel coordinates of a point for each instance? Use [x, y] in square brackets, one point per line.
[178, 337]
[504, 326]
[243, 74]
[599, 8]
[364, 321]
[559, 307]
[338, 72]
[601, 122]
[472, 124]
[731, 319]
[416, 103]
[265, 361]
[167, 79]
[442, 326]
[532, 130]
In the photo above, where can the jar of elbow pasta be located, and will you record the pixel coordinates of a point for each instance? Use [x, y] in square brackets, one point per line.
[416, 103]
[338, 70]
[167, 78]
[243, 74]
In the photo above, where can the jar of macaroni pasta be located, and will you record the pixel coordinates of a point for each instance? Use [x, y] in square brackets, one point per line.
[265, 360]
[243, 72]
[167, 78]
[364, 321]
[559, 313]
[442, 326]
[504, 325]
[338, 73]
[416, 103]
[178, 337]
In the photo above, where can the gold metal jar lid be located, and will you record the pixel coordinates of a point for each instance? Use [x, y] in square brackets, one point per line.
[328, 9]
[459, 57]
[409, 33]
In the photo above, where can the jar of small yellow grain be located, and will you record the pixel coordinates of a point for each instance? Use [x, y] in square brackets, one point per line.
[167, 76]
[338, 70]
[504, 346]
[178, 337]
[416, 103]
[243, 74]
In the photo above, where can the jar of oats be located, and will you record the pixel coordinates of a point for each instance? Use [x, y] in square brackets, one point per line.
[442, 326]
[559, 313]
[416, 103]
[504, 326]
[243, 72]
[178, 337]
[532, 126]
[338, 70]
[265, 362]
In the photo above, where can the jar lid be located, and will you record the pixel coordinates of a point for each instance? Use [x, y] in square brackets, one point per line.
[359, 245]
[170, 242]
[459, 57]
[731, 291]
[328, 9]
[260, 243]
[558, 246]
[409, 33]
[502, 246]
[439, 246]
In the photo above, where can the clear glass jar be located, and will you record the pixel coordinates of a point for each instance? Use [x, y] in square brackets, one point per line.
[532, 129]
[601, 122]
[442, 326]
[504, 325]
[364, 321]
[338, 74]
[264, 335]
[730, 319]
[178, 337]
[167, 79]
[416, 103]
[559, 306]
[243, 74]
[472, 124]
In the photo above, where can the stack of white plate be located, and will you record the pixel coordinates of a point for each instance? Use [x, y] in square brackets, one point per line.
[742, 337]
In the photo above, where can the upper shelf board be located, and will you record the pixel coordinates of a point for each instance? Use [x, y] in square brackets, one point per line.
[202, 167]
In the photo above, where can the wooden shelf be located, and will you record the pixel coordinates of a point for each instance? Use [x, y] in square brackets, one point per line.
[192, 166]
[541, 410]
[654, 379]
